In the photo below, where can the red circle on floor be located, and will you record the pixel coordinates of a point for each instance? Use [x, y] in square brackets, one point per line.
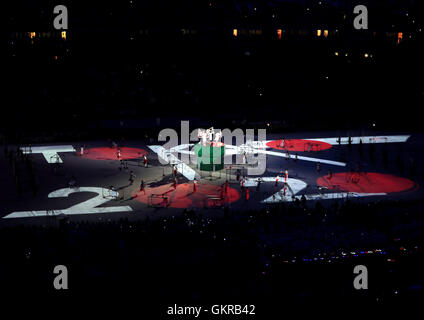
[300, 145]
[207, 195]
[365, 182]
[107, 153]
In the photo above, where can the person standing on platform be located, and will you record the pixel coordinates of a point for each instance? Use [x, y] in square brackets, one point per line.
[286, 175]
[175, 171]
[276, 180]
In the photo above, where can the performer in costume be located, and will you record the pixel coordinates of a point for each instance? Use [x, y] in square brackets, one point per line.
[142, 186]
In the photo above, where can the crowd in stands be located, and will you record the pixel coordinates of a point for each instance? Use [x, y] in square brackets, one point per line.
[247, 254]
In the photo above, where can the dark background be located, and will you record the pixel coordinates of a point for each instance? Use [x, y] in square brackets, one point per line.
[194, 68]
[90, 85]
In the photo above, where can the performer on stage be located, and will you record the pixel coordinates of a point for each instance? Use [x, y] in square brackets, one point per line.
[118, 154]
[145, 161]
[286, 175]
[142, 186]
[259, 184]
[72, 182]
[247, 194]
[276, 180]
[194, 185]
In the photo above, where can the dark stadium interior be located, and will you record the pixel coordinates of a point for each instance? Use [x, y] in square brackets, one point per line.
[125, 70]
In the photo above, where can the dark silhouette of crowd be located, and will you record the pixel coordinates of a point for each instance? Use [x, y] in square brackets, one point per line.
[291, 251]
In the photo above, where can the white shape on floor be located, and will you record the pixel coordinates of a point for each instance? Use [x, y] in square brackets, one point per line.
[168, 157]
[356, 140]
[278, 197]
[291, 156]
[50, 153]
[86, 207]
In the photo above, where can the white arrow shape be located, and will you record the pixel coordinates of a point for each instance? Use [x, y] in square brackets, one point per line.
[356, 140]
[168, 157]
[283, 155]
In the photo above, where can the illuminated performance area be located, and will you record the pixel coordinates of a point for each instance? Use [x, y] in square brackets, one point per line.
[158, 181]
[212, 159]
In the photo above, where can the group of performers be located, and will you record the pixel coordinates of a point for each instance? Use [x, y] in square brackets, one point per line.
[119, 157]
[209, 136]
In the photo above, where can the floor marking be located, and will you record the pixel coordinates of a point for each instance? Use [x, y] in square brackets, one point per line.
[85, 207]
[356, 140]
[50, 153]
[291, 156]
[168, 157]
[278, 197]
[295, 185]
